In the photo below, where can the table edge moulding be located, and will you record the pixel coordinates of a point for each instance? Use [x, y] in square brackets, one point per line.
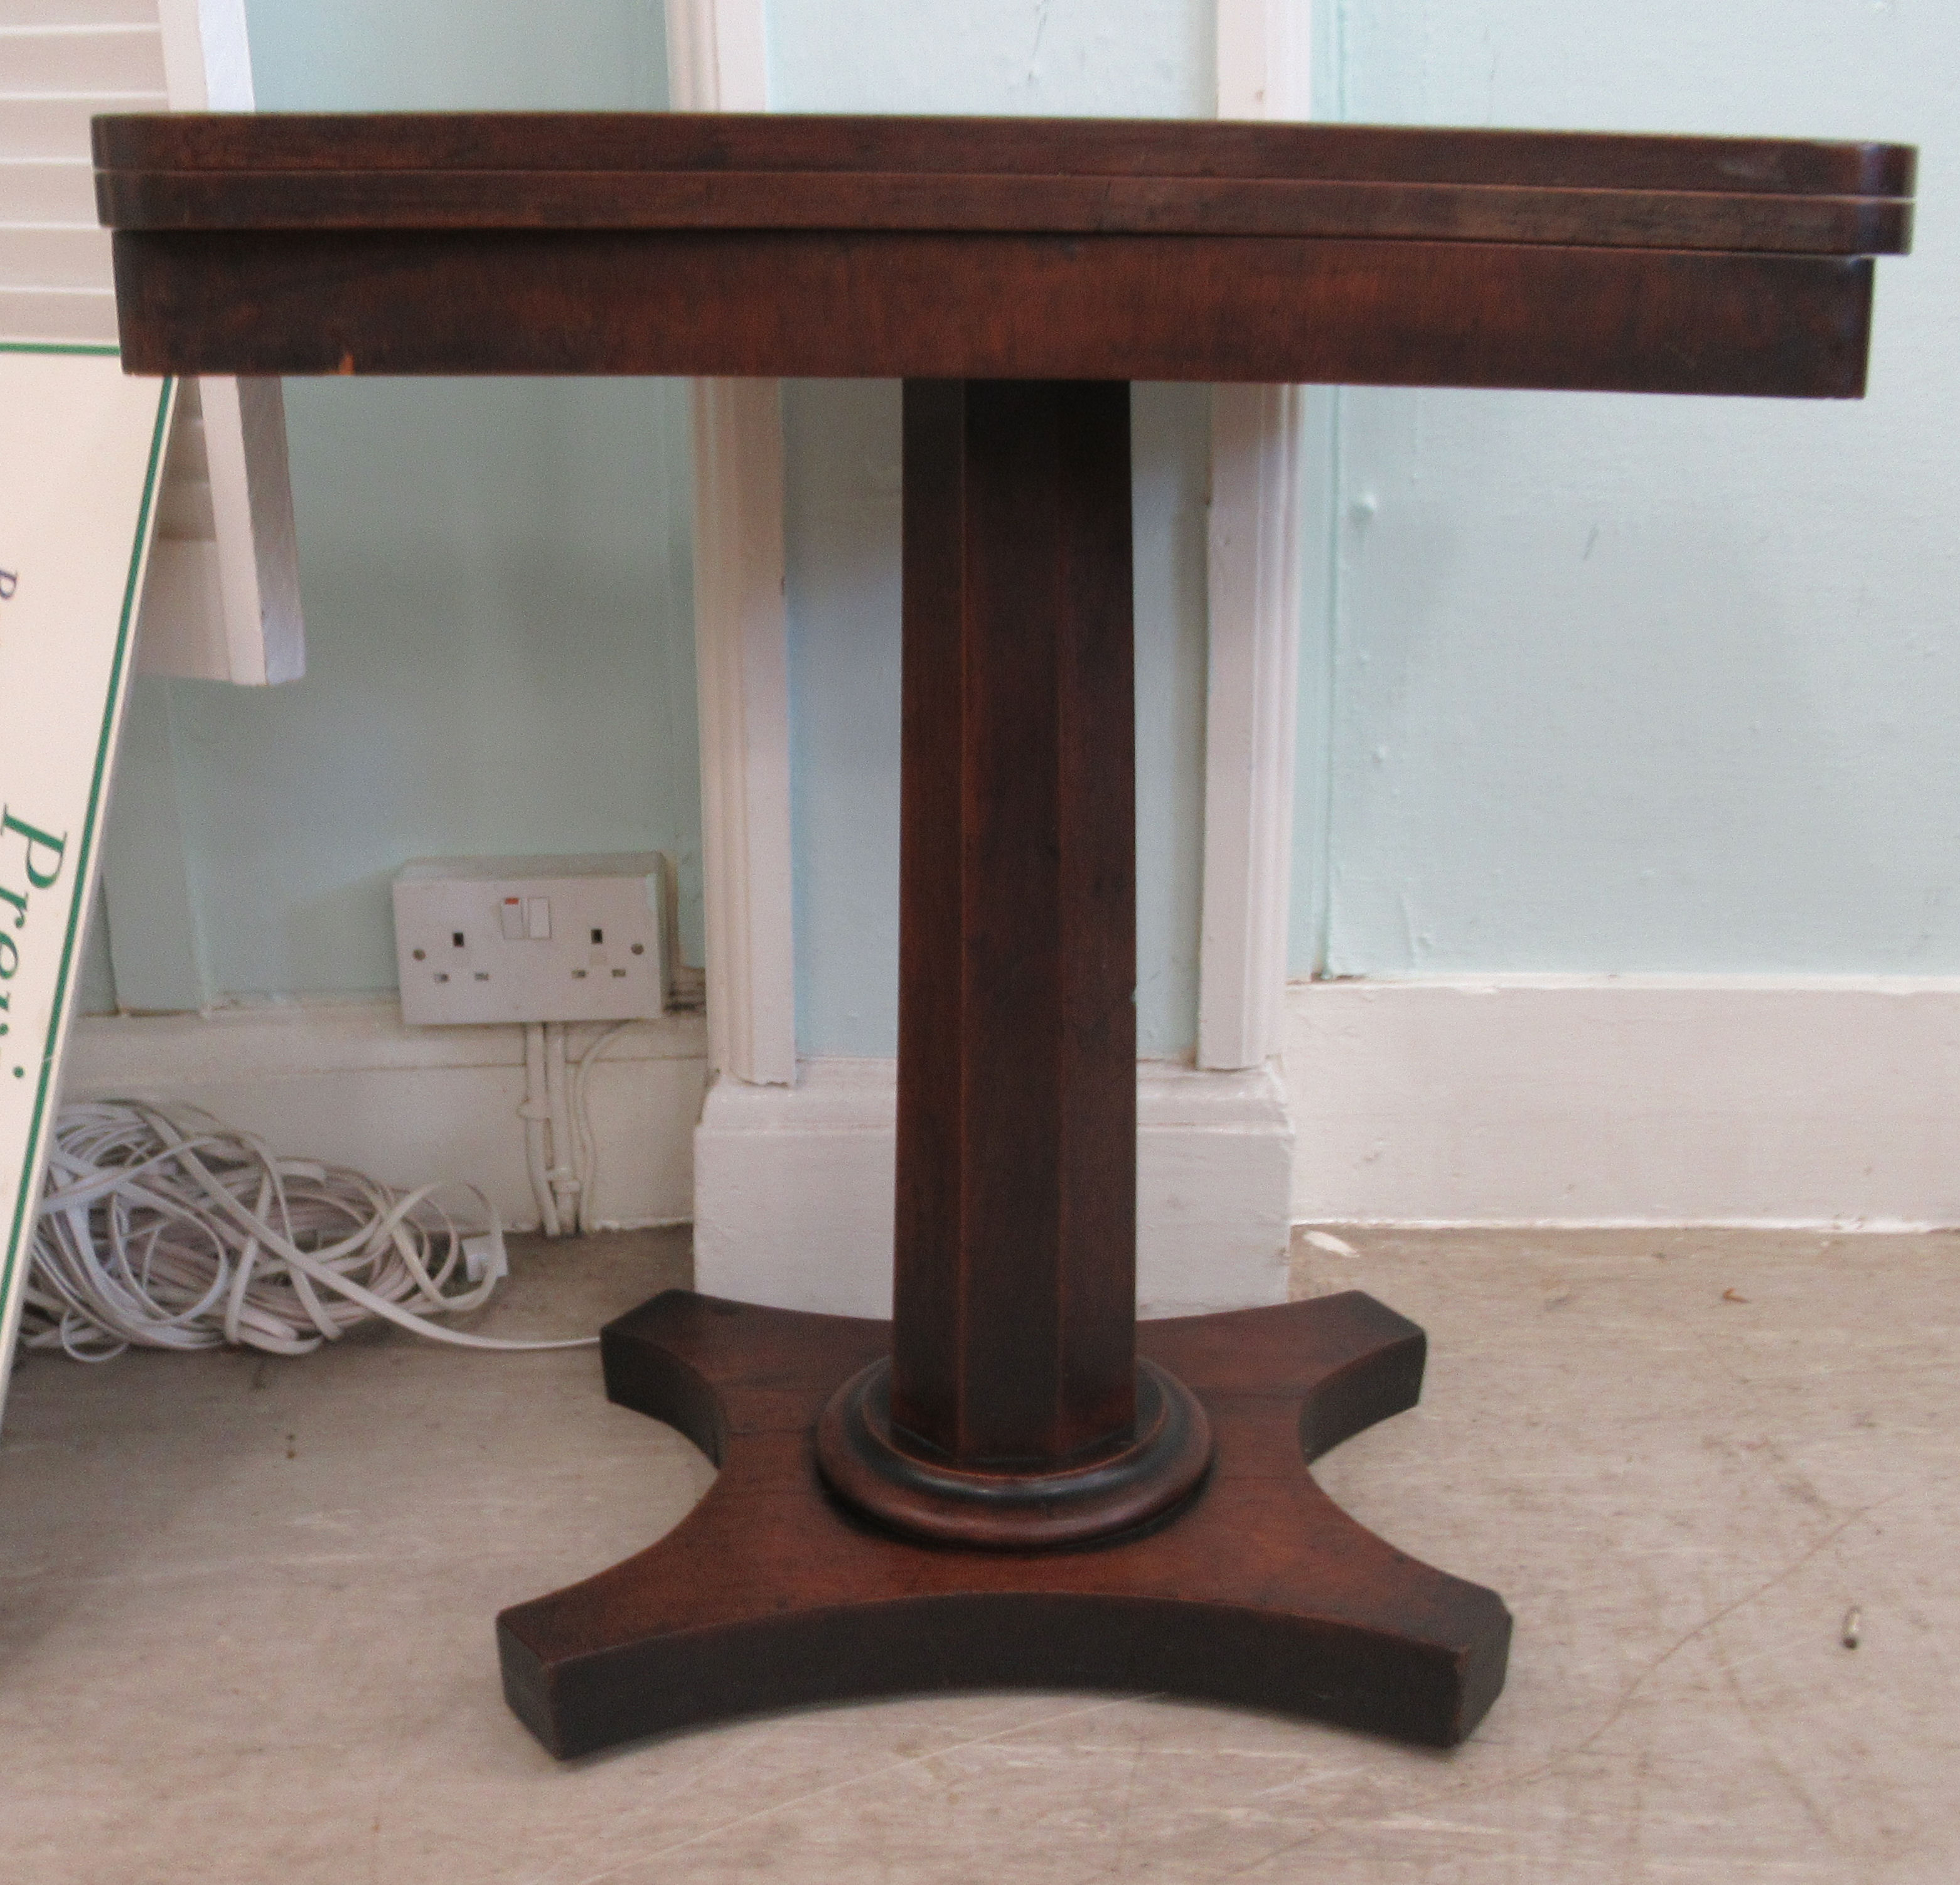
[1012, 1483]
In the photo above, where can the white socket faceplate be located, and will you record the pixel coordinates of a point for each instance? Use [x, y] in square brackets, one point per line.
[482, 940]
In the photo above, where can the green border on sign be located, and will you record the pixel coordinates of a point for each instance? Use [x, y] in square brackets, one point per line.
[19, 1237]
[58, 347]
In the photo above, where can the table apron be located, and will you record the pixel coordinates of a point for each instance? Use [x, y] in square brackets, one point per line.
[825, 304]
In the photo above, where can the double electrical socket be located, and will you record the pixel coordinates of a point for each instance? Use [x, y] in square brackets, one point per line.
[482, 940]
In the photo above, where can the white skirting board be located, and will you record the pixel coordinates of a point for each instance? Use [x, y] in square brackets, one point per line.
[1626, 1100]
[793, 1189]
[345, 1081]
[1520, 1100]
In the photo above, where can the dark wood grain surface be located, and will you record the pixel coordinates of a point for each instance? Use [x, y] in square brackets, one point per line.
[996, 249]
[1015, 1278]
[1261, 1591]
[887, 200]
[1038, 147]
[947, 306]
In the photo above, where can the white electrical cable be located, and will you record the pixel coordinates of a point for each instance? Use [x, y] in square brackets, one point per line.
[585, 1144]
[159, 1227]
[560, 1149]
[536, 1113]
[563, 1173]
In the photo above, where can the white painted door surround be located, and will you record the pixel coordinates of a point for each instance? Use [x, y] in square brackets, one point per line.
[794, 1163]
[716, 62]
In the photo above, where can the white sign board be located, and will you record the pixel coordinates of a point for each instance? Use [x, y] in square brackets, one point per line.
[80, 451]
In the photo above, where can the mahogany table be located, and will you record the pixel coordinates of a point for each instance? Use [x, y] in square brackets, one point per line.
[1011, 1482]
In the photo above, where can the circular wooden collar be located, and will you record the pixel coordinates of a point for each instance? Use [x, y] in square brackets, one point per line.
[999, 1508]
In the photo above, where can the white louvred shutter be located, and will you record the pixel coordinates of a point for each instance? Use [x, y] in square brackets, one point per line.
[222, 602]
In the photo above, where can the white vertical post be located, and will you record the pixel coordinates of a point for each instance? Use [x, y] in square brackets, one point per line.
[1254, 603]
[741, 657]
[226, 606]
[716, 62]
[1255, 596]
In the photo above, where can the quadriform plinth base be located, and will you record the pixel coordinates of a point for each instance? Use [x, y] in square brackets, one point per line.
[1258, 1590]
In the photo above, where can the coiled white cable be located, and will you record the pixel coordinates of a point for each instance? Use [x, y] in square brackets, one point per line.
[159, 1227]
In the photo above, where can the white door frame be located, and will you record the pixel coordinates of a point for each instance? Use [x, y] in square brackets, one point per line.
[1263, 71]
[716, 62]
[793, 1174]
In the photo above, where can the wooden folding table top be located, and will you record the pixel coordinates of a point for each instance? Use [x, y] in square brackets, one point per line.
[1016, 248]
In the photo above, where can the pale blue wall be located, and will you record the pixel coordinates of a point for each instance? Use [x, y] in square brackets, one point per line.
[1645, 684]
[495, 576]
[1597, 683]
[495, 573]
[1089, 57]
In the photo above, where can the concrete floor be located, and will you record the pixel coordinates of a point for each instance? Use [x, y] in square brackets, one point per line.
[245, 1610]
